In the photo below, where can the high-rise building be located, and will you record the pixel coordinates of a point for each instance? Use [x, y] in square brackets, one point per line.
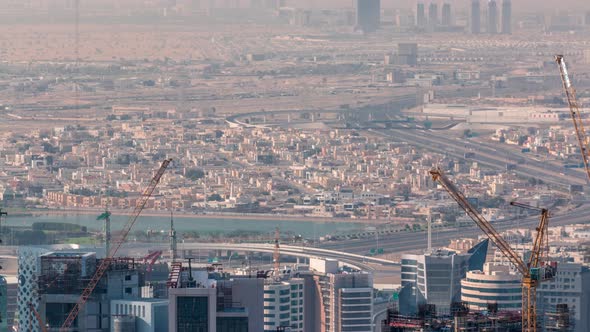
[507, 17]
[587, 18]
[52, 282]
[435, 277]
[368, 15]
[421, 15]
[201, 300]
[283, 305]
[475, 17]
[570, 286]
[447, 19]
[407, 54]
[433, 15]
[495, 284]
[344, 299]
[492, 17]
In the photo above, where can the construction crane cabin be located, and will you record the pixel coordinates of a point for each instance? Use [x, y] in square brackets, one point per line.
[533, 272]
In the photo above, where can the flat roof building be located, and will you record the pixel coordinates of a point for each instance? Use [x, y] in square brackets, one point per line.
[495, 284]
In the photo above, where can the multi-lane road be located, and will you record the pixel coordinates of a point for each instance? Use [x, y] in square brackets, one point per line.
[494, 157]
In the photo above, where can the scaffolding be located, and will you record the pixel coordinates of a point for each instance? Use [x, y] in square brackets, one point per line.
[460, 320]
[558, 319]
[69, 274]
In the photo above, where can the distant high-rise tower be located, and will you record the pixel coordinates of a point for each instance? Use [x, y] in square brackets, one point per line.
[492, 17]
[420, 15]
[368, 15]
[433, 14]
[506, 17]
[446, 15]
[475, 17]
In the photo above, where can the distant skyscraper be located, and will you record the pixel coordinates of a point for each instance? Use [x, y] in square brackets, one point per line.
[475, 17]
[433, 14]
[368, 15]
[506, 17]
[492, 17]
[587, 18]
[446, 15]
[421, 15]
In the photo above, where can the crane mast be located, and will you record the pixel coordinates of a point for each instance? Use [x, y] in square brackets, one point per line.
[531, 274]
[572, 101]
[106, 262]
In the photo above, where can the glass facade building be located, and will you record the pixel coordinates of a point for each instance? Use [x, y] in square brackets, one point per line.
[192, 314]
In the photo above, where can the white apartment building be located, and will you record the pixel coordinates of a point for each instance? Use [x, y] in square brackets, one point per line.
[283, 305]
[495, 284]
[570, 286]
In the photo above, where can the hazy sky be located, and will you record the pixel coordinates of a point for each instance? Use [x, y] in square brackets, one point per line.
[518, 5]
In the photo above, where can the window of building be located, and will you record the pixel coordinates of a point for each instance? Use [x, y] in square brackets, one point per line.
[232, 324]
[192, 314]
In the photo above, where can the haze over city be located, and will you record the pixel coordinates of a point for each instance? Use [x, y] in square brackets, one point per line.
[302, 166]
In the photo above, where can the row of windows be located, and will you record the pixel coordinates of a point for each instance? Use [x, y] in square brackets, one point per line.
[356, 328]
[357, 308]
[492, 290]
[516, 282]
[495, 298]
[359, 294]
[357, 322]
[128, 309]
[346, 315]
[356, 301]
[484, 305]
[409, 269]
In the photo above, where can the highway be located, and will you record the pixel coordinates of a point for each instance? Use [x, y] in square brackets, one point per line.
[409, 241]
[485, 155]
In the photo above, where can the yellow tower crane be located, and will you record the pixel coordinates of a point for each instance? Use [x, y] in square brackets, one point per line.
[532, 272]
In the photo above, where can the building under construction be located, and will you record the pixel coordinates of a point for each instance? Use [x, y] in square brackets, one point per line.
[58, 278]
[462, 319]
